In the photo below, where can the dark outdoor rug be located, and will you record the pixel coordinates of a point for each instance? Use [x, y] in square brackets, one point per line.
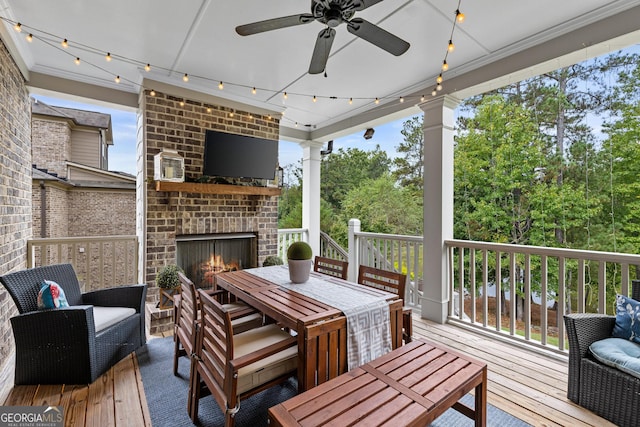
[167, 396]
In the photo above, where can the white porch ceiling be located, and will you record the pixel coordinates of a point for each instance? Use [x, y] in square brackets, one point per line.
[197, 37]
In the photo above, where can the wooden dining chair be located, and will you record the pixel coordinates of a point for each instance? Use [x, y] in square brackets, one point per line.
[233, 367]
[187, 312]
[331, 267]
[389, 281]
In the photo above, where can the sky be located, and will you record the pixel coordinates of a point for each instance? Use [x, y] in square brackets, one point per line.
[122, 155]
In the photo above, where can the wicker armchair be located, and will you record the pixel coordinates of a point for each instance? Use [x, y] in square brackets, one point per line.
[61, 346]
[606, 391]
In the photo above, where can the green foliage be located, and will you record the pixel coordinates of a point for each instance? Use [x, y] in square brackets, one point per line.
[167, 278]
[299, 250]
[272, 260]
[409, 165]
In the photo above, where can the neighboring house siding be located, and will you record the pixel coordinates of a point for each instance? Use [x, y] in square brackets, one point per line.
[52, 149]
[85, 147]
[15, 194]
[101, 213]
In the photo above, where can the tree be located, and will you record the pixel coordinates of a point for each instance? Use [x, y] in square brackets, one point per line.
[344, 170]
[409, 168]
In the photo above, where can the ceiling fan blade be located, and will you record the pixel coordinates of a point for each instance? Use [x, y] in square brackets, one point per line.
[377, 36]
[363, 4]
[274, 24]
[322, 50]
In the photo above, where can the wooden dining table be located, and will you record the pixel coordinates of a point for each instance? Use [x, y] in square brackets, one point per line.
[321, 329]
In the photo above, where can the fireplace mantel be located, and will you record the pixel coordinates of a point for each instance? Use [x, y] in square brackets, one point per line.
[196, 187]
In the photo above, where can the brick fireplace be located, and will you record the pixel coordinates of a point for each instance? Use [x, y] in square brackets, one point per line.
[180, 123]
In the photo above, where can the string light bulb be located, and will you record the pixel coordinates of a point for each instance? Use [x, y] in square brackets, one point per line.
[445, 66]
[439, 87]
[29, 38]
[117, 79]
[285, 96]
[107, 57]
[253, 91]
[182, 103]
[231, 114]
[421, 98]
[220, 86]
[350, 101]
[401, 99]
[152, 93]
[208, 109]
[459, 16]
[147, 68]
[185, 78]
[65, 43]
[314, 98]
[433, 92]
[77, 61]
[377, 101]
[451, 47]
[18, 27]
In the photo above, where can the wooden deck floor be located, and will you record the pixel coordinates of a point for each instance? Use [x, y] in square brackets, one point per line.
[527, 385]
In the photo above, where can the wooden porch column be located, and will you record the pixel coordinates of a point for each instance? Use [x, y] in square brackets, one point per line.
[311, 192]
[438, 203]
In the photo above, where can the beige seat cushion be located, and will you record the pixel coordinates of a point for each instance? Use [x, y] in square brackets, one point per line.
[103, 317]
[244, 323]
[268, 368]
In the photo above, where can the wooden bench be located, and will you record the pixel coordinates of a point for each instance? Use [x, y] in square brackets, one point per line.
[410, 386]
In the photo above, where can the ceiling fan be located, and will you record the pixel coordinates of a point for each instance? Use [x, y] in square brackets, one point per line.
[332, 13]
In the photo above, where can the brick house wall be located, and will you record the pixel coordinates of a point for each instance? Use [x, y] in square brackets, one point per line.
[180, 124]
[15, 191]
[55, 148]
[101, 213]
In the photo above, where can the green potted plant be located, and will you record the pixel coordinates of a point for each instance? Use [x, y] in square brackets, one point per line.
[299, 259]
[272, 260]
[169, 284]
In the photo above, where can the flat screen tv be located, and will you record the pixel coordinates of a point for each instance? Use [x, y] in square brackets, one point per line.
[239, 156]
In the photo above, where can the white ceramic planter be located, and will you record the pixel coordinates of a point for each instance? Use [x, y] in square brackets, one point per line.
[299, 270]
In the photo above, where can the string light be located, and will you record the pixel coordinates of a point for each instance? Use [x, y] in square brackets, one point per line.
[182, 103]
[459, 18]
[433, 92]
[208, 109]
[231, 114]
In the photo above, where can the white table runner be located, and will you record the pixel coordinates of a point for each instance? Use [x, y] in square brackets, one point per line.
[368, 324]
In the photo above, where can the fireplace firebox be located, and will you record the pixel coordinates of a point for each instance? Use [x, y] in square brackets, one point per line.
[205, 255]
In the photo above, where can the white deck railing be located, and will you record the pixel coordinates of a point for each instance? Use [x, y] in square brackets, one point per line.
[287, 236]
[100, 261]
[562, 280]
